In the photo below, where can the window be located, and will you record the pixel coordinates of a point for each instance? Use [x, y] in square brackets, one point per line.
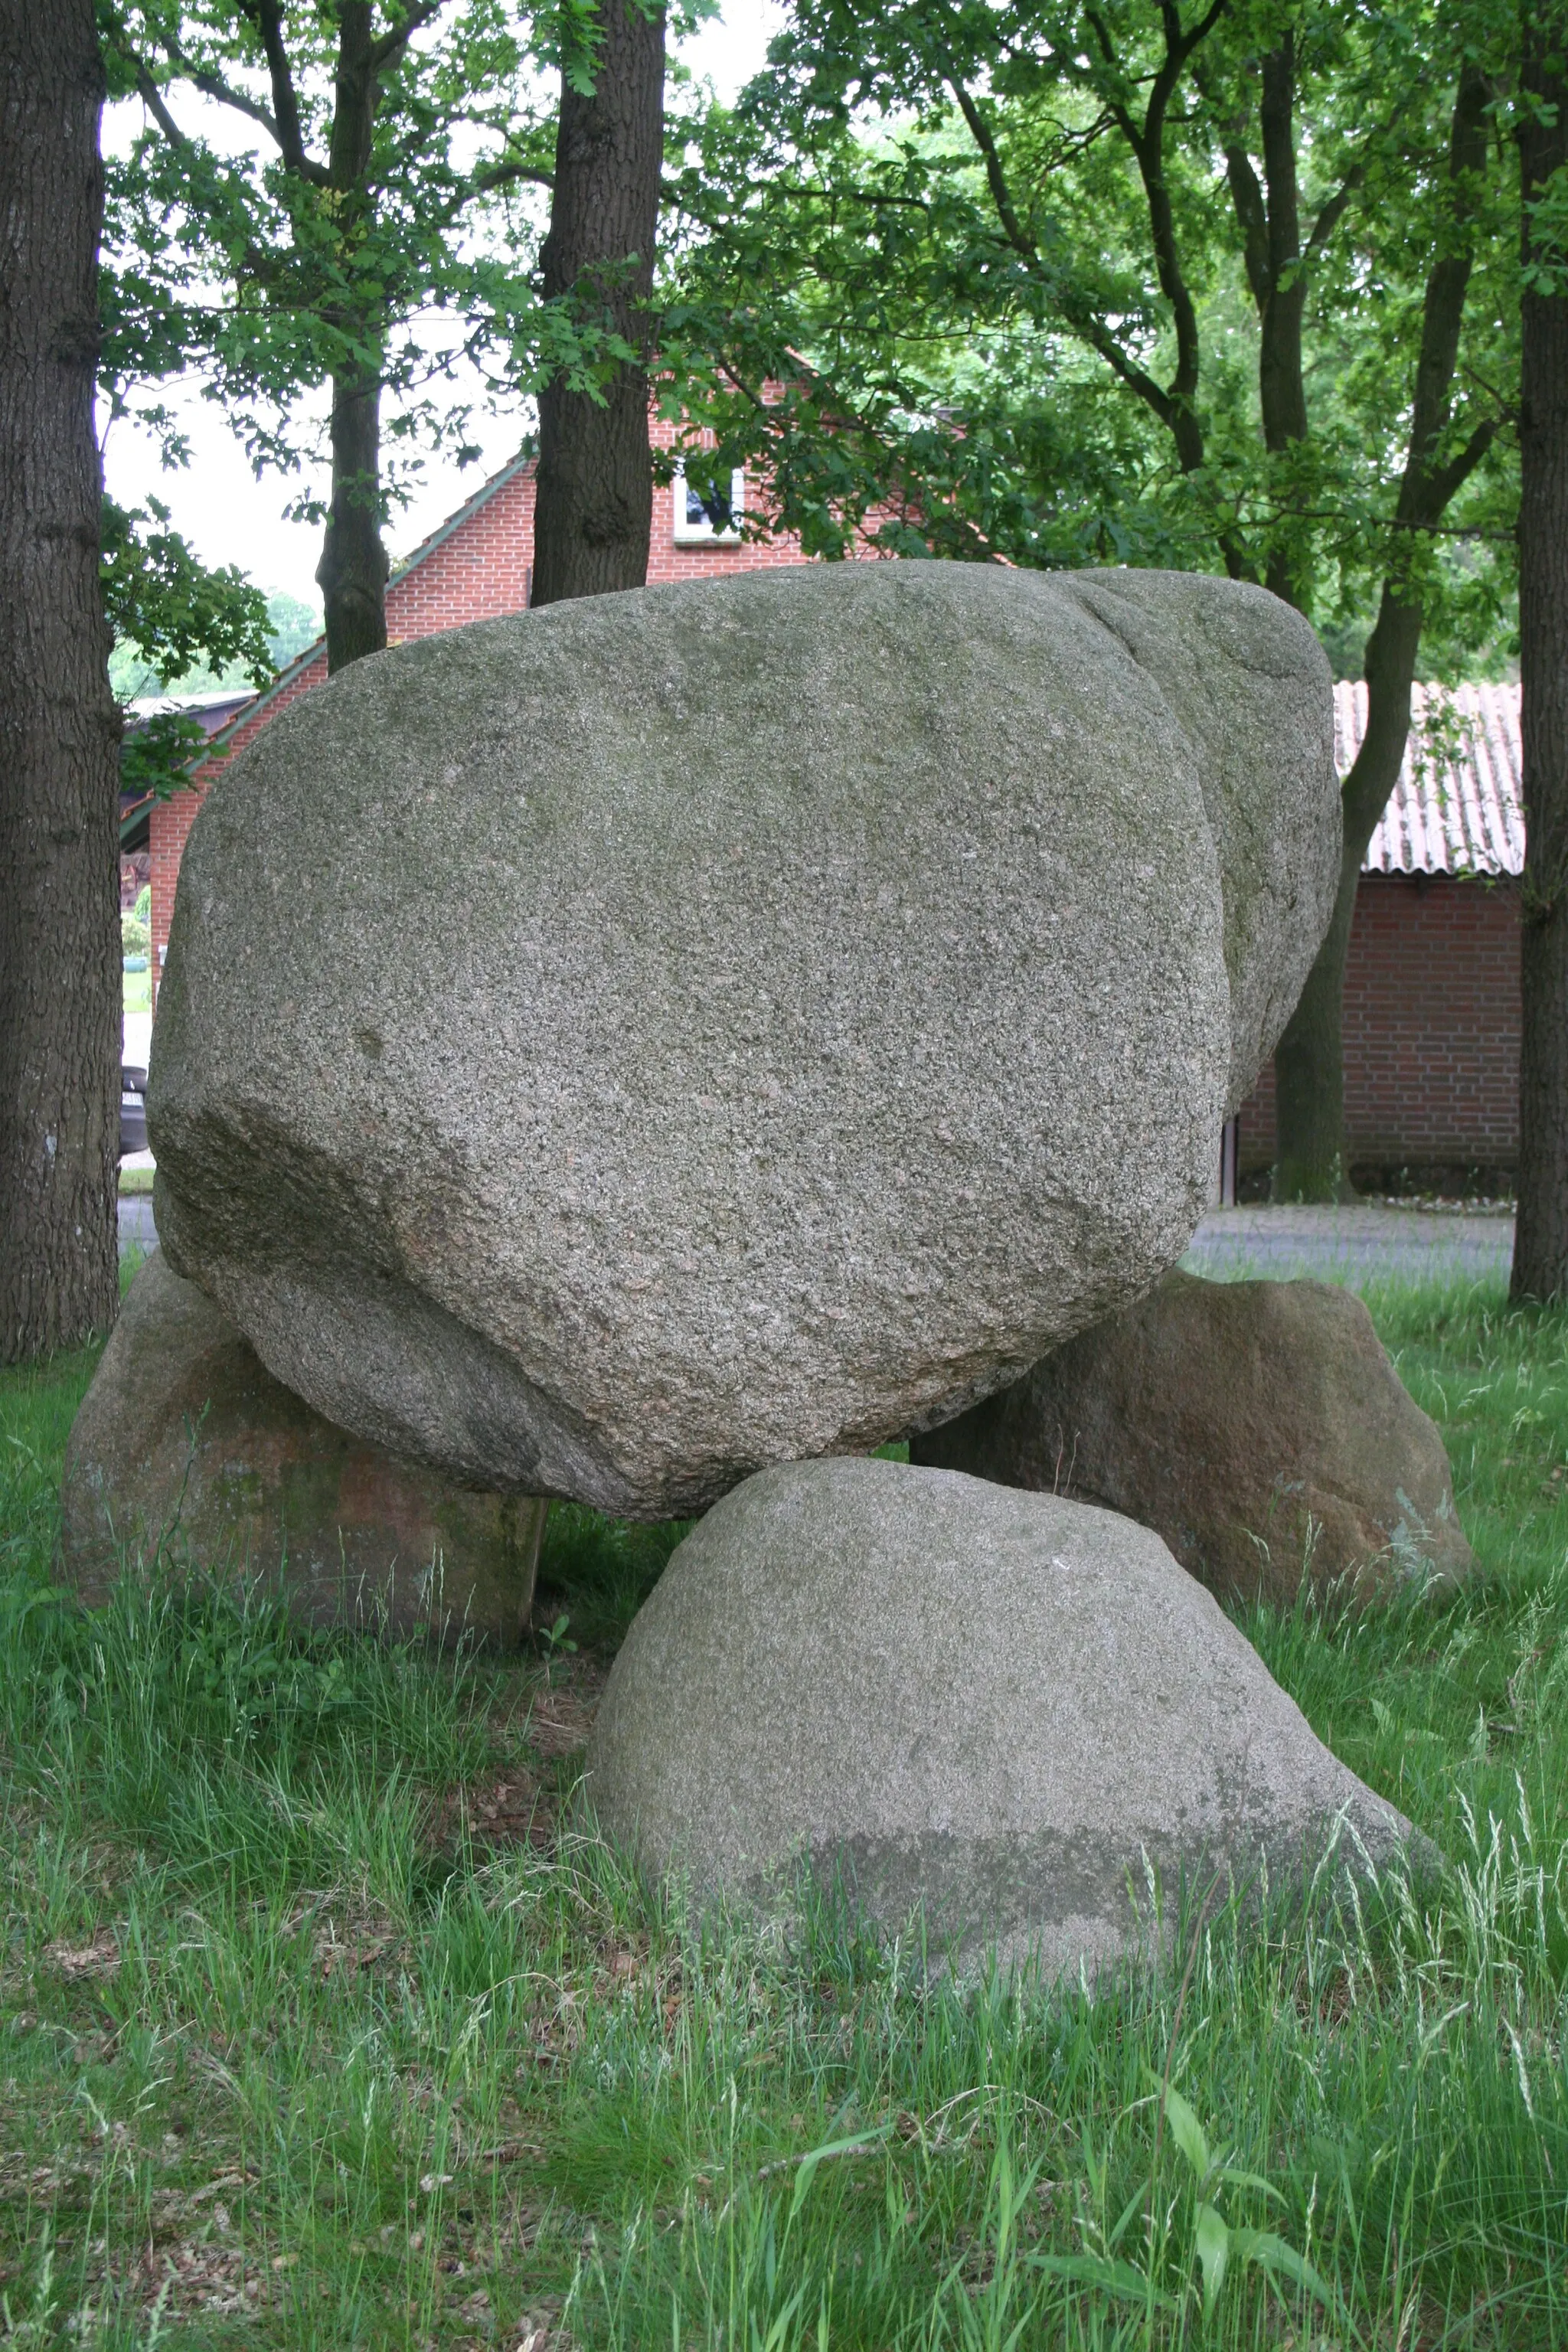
[696, 524]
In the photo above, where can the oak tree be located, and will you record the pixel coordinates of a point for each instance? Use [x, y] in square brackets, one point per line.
[1540, 1241]
[328, 198]
[59, 960]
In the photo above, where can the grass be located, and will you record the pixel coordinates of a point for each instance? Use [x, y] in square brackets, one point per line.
[318, 2029]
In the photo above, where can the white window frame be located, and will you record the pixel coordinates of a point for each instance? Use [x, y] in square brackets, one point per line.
[701, 533]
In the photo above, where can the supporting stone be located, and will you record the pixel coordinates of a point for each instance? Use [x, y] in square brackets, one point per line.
[187, 1454]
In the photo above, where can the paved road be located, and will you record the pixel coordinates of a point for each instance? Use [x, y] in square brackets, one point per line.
[1355, 1245]
[137, 1230]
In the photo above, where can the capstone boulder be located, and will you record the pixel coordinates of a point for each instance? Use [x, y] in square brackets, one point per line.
[1259, 1427]
[609, 1049]
[999, 1710]
[188, 1454]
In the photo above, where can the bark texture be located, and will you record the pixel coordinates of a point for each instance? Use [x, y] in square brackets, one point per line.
[1269, 215]
[353, 572]
[1308, 1064]
[1541, 1241]
[595, 505]
[59, 935]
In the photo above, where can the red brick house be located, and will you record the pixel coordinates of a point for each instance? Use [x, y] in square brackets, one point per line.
[1432, 995]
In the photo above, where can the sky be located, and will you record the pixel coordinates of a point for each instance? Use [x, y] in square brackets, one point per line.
[230, 517]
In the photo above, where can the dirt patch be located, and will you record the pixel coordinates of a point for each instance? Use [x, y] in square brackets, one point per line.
[76, 1961]
[512, 1810]
[562, 1717]
[519, 1805]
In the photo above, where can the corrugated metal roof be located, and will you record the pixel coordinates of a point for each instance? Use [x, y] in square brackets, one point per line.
[1457, 808]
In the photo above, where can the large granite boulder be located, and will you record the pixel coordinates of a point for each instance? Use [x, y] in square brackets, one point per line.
[186, 1449]
[606, 1050]
[944, 1694]
[1259, 1427]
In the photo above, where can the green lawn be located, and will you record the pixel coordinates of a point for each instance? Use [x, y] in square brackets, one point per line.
[318, 2032]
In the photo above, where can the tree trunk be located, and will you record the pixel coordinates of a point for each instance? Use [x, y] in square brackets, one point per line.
[1311, 1161]
[1282, 381]
[1281, 378]
[1310, 1157]
[1269, 214]
[1540, 1240]
[353, 572]
[59, 930]
[594, 507]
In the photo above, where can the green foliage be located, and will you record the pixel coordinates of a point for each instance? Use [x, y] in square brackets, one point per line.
[167, 608]
[600, 1572]
[293, 624]
[158, 753]
[999, 260]
[279, 253]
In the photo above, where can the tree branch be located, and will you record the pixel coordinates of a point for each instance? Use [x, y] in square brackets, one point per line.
[1179, 46]
[1118, 112]
[995, 177]
[1333, 213]
[498, 175]
[152, 98]
[1246, 197]
[1421, 494]
[391, 46]
[1094, 332]
[212, 84]
[266, 15]
[501, 175]
[1447, 480]
[1149, 148]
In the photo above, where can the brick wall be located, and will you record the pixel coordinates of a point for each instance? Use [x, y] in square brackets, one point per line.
[1432, 1022]
[478, 571]
[170, 821]
[483, 567]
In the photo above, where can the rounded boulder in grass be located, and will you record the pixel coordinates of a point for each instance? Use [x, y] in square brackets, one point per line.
[996, 1723]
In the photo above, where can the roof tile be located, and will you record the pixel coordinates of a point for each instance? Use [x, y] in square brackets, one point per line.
[1457, 808]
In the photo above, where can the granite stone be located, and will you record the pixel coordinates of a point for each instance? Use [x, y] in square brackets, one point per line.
[606, 1050]
[990, 1712]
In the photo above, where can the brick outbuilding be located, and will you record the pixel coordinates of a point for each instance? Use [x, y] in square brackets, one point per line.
[1432, 1005]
